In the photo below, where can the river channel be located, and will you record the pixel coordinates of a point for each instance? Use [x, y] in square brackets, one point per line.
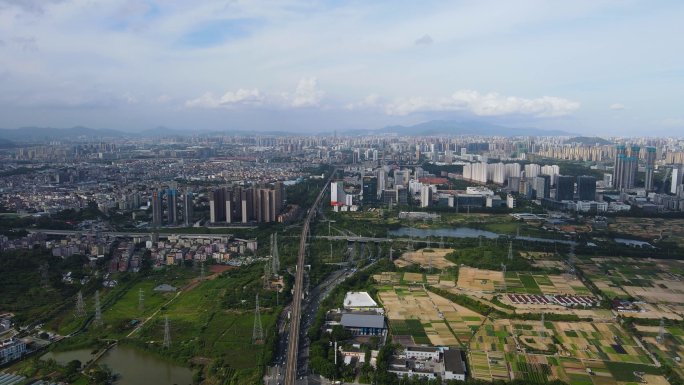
[465, 232]
[137, 367]
[469, 232]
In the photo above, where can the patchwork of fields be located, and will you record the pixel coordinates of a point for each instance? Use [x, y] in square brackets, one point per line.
[427, 317]
[529, 283]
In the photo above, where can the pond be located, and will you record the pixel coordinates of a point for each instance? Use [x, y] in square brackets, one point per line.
[632, 242]
[136, 367]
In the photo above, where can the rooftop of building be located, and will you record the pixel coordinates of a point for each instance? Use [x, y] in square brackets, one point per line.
[453, 362]
[363, 321]
[359, 299]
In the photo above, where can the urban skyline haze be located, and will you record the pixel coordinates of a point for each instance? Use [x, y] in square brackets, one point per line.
[606, 68]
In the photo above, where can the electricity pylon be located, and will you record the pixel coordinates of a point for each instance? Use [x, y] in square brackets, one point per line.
[80, 305]
[503, 278]
[570, 274]
[141, 300]
[258, 333]
[44, 281]
[202, 272]
[510, 251]
[167, 333]
[98, 310]
[541, 328]
[661, 332]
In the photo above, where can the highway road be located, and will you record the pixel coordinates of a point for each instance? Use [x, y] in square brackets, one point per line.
[292, 349]
[125, 234]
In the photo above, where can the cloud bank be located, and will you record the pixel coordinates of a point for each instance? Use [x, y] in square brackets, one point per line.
[491, 104]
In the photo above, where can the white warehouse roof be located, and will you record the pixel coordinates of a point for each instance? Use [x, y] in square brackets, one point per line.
[358, 299]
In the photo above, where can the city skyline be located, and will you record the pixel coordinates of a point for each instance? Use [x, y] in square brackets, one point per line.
[603, 68]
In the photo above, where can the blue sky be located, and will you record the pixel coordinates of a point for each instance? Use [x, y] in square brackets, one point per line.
[600, 67]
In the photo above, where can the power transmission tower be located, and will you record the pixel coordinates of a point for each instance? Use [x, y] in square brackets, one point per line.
[441, 241]
[661, 332]
[80, 305]
[429, 242]
[542, 332]
[390, 205]
[275, 258]
[141, 300]
[430, 264]
[480, 239]
[510, 251]
[570, 274]
[202, 272]
[503, 278]
[391, 253]
[167, 333]
[194, 266]
[44, 281]
[517, 232]
[258, 334]
[98, 311]
[331, 252]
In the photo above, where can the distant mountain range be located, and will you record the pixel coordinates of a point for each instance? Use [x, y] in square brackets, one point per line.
[452, 127]
[47, 133]
[588, 141]
[435, 127]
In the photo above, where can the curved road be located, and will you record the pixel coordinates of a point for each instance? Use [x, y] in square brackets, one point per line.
[292, 349]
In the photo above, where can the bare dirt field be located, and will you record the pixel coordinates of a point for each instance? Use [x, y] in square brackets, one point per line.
[423, 259]
[470, 278]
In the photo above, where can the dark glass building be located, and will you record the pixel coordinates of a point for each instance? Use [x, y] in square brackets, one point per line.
[586, 188]
[565, 188]
[370, 190]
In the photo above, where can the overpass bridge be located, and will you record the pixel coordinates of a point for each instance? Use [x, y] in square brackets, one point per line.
[127, 234]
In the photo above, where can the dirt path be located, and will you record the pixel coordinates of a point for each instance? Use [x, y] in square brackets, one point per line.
[153, 314]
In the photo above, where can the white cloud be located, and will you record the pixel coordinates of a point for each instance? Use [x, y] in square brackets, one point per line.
[242, 96]
[129, 98]
[672, 122]
[369, 101]
[491, 104]
[425, 40]
[230, 99]
[163, 98]
[308, 94]
[618, 106]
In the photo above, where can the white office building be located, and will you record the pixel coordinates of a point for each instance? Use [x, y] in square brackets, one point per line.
[553, 171]
[476, 172]
[532, 170]
[497, 173]
[513, 170]
[677, 178]
[425, 196]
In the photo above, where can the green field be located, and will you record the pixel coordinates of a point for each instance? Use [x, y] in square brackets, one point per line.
[623, 371]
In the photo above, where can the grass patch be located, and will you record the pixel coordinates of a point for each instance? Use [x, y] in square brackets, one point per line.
[623, 371]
